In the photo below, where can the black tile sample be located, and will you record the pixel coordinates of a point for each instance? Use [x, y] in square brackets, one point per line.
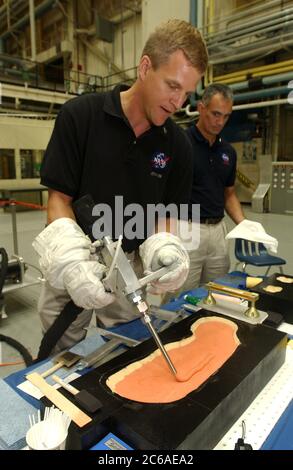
[280, 302]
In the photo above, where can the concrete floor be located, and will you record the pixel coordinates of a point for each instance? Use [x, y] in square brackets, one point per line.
[23, 323]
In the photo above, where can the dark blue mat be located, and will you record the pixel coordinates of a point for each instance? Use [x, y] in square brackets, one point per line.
[281, 436]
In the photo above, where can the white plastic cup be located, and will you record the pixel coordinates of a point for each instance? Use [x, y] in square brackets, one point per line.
[45, 435]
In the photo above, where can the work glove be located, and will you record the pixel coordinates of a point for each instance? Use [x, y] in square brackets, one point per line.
[165, 249]
[254, 231]
[67, 263]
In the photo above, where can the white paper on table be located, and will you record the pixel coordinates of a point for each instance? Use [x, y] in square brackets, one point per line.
[32, 390]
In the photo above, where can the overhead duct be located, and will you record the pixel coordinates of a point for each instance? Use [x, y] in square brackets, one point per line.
[104, 29]
[262, 70]
[253, 31]
[258, 93]
[241, 53]
[238, 107]
[253, 11]
[266, 23]
[284, 77]
[262, 93]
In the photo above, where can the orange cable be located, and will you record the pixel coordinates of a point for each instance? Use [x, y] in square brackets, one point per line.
[4, 364]
[9, 202]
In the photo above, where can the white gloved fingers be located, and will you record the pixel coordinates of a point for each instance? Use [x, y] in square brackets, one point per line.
[165, 249]
[161, 249]
[66, 262]
[153, 289]
[173, 276]
[59, 245]
[166, 255]
[171, 281]
[177, 260]
[83, 284]
[58, 233]
[149, 249]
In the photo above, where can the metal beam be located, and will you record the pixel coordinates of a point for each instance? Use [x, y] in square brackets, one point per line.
[39, 10]
[25, 93]
[32, 29]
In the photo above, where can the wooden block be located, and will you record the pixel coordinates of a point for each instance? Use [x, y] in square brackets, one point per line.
[78, 416]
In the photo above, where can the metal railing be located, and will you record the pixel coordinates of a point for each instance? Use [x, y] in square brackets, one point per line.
[25, 72]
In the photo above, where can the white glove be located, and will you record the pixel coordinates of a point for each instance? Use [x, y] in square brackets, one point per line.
[83, 284]
[254, 231]
[65, 260]
[165, 249]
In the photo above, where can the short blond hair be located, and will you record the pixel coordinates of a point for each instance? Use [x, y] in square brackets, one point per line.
[176, 34]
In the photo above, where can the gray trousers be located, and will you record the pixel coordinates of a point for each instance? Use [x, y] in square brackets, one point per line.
[52, 301]
[207, 262]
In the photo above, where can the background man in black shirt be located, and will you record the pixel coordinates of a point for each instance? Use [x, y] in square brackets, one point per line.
[213, 188]
[120, 143]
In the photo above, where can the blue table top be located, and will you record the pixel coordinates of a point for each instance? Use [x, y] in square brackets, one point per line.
[281, 435]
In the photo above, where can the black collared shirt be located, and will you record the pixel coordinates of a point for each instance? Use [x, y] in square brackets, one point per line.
[93, 150]
[214, 170]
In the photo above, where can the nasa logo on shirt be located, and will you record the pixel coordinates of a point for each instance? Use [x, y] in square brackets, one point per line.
[225, 159]
[159, 164]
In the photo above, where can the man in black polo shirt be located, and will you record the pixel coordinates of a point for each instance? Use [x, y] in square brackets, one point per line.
[214, 162]
[122, 144]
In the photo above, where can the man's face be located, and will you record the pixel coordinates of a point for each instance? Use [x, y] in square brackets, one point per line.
[166, 88]
[214, 115]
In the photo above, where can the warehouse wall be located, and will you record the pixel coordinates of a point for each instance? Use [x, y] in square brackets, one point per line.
[17, 135]
[154, 12]
[124, 52]
[135, 30]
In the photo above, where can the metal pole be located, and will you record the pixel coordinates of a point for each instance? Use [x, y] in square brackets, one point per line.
[14, 228]
[33, 29]
[122, 38]
[147, 321]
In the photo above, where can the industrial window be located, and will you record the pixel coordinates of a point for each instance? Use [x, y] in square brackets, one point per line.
[30, 163]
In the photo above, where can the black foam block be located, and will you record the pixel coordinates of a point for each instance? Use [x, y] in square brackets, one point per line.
[197, 421]
[280, 302]
[87, 401]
